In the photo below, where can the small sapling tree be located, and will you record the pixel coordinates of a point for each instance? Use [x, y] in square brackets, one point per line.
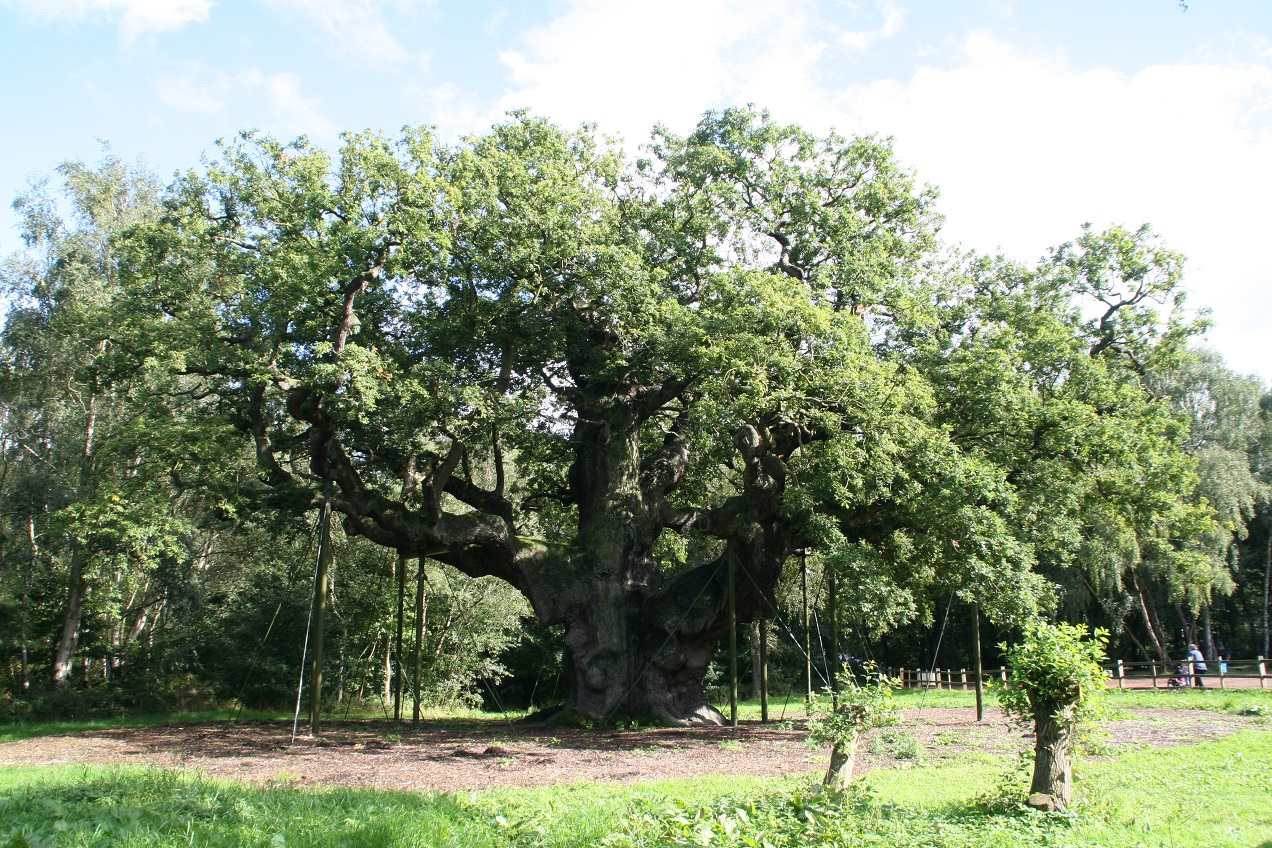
[1057, 685]
[862, 707]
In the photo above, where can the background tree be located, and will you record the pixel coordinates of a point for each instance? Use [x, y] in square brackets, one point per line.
[1043, 374]
[91, 500]
[1228, 436]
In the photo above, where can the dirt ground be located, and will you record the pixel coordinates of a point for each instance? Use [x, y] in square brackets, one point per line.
[460, 755]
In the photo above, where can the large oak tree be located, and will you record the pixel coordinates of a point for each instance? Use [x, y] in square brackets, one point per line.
[604, 382]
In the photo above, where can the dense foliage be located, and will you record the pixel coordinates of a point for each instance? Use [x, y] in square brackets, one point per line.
[544, 379]
[1056, 668]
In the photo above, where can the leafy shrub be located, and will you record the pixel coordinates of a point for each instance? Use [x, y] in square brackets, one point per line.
[1054, 667]
[898, 744]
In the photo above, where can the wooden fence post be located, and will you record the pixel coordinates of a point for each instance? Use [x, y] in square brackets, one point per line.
[1263, 671]
[962, 673]
[1153, 668]
[1121, 675]
[1003, 671]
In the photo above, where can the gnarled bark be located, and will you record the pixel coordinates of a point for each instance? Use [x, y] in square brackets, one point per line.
[1052, 786]
[843, 756]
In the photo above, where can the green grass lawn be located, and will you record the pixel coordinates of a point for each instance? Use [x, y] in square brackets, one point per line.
[31, 729]
[1217, 793]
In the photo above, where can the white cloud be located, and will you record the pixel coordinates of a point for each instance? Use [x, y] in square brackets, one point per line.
[627, 66]
[274, 102]
[202, 90]
[1025, 149]
[453, 111]
[293, 113]
[893, 17]
[357, 27]
[135, 16]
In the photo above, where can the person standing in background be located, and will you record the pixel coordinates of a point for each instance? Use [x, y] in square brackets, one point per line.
[1198, 663]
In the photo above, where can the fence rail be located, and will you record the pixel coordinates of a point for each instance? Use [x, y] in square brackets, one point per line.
[1235, 674]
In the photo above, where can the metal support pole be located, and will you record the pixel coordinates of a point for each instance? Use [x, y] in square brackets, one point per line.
[419, 640]
[764, 711]
[834, 638]
[397, 645]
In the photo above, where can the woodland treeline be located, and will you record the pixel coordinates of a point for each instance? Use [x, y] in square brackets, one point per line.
[564, 404]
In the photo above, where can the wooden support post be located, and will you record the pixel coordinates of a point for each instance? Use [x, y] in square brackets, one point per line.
[808, 630]
[901, 677]
[1263, 671]
[1121, 675]
[419, 640]
[1003, 671]
[398, 668]
[764, 711]
[1152, 668]
[733, 640]
[319, 615]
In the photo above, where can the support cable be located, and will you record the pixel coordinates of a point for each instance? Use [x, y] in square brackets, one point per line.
[789, 631]
[251, 667]
[495, 695]
[301, 685]
[304, 654]
[936, 653]
[671, 634]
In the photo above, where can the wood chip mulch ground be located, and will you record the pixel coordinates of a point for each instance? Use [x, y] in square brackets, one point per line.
[464, 755]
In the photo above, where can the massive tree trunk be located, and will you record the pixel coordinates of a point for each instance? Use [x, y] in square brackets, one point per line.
[638, 640]
[636, 644]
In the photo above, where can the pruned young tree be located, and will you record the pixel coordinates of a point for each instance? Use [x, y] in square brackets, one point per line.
[1057, 686]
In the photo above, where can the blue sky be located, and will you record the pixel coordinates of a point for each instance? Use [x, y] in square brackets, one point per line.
[1032, 117]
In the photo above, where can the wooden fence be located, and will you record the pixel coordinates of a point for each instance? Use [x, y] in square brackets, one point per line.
[1230, 674]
